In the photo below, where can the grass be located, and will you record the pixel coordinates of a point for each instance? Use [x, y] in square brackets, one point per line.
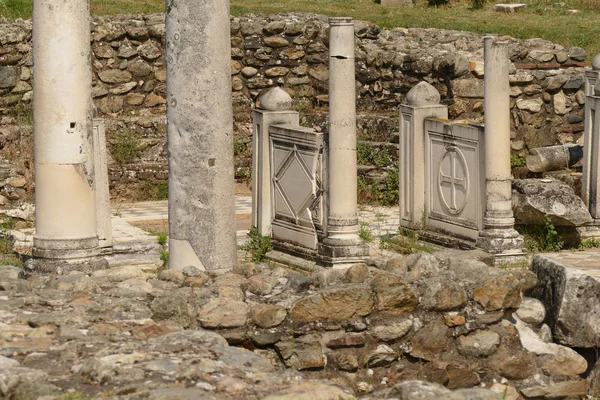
[548, 19]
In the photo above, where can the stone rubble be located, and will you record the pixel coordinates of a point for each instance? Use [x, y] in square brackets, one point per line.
[264, 331]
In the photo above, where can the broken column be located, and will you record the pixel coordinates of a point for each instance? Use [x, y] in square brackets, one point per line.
[66, 231]
[498, 236]
[200, 135]
[342, 244]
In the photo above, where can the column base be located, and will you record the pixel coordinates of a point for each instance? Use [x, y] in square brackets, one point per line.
[340, 252]
[589, 231]
[505, 244]
[48, 266]
[59, 256]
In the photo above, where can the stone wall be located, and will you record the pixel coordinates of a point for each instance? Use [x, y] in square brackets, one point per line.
[290, 50]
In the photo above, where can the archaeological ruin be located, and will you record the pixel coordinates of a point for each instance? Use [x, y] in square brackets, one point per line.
[294, 206]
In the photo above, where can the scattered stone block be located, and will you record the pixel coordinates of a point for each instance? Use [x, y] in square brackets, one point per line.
[572, 301]
[509, 8]
[397, 3]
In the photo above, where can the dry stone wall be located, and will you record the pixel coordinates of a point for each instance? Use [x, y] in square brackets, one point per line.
[290, 50]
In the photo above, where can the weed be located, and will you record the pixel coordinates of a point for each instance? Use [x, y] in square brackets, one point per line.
[368, 154]
[243, 159]
[518, 161]
[161, 238]
[258, 246]
[164, 257]
[539, 238]
[591, 243]
[407, 242]
[7, 253]
[365, 232]
[74, 396]
[124, 149]
[153, 190]
[385, 242]
[23, 113]
[384, 193]
[477, 4]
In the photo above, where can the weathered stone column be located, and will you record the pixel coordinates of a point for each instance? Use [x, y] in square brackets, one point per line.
[498, 236]
[342, 244]
[66, 228]
[200, 135]
[590, 184]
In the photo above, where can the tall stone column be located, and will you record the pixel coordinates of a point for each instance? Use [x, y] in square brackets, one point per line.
[498, 236]
[200, 135]
[342, 245]
[590, 182]
[66, 229]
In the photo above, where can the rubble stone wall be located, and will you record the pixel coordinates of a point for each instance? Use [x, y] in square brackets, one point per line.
[290, 50]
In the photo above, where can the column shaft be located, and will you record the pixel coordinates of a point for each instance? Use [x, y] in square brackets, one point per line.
[200, 135]
[342, 244]
[343, 219]
[497, 134]
[499, 236]
[64, 171]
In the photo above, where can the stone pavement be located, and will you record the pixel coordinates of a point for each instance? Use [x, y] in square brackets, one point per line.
[129, 219]
[587, 260]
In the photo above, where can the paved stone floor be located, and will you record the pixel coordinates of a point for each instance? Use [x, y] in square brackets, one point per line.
[139, 222]
[587, 260]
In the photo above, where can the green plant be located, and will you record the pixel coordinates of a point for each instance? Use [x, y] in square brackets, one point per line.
[539, 238]
[477, 4]
[243, 159]
[153, 190]
[591, 243]
[385, 242]
[164, 257]
[437, 2]
[365, 232]
[161, 238]
[407, 242]
[258, 246]
[74, 396]
[368, 154]
[124, 149]
[518, 161]
[554, 242]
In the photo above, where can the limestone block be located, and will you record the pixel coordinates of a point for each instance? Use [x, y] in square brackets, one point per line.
[509, 8]
[534, 199]
[397, 3]
[572, 301]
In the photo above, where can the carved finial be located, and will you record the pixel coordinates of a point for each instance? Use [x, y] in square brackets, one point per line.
[424, 94]
[276, 99]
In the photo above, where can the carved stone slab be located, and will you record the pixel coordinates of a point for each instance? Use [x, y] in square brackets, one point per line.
[297, 184]
[455, 174]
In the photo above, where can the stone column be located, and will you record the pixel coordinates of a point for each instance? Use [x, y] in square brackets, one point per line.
[342, 244]
[498, 236]
[590, 183]
[200, 135]
[66, 228]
